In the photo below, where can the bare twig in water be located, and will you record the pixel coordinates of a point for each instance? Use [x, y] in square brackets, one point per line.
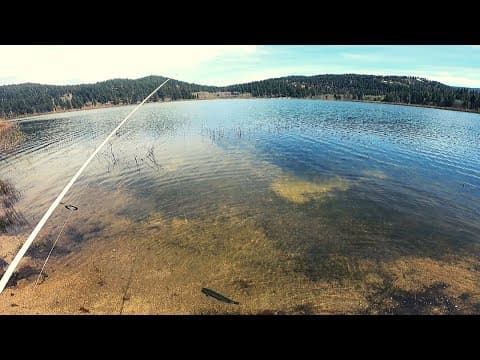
[151, 156]
[113, 156]
[136, 162]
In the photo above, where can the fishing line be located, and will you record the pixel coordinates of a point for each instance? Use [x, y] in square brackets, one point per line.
[61, 231]
[13, 265]
[51, 250]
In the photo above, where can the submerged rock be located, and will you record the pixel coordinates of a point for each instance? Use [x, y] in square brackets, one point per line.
[301, 191]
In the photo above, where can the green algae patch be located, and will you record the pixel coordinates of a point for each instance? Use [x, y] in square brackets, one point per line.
[301, 191]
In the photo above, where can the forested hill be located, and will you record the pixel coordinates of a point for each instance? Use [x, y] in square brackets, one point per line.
[400, 89]
[29, 98]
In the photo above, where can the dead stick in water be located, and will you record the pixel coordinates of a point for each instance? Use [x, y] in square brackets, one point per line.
[218, 296]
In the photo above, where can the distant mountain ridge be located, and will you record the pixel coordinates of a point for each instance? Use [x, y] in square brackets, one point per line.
[30, 98]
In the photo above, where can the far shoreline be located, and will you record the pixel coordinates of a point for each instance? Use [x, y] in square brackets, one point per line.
[105, 106]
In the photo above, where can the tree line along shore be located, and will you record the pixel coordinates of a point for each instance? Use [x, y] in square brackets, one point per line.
[33, 99]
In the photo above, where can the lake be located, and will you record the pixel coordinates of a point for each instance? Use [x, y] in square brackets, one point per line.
[286, 206]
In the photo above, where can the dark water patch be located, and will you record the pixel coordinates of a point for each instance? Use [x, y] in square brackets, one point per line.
[26, 272]
[9, 195]
[71, 239]
[317, 266]
[272, 312]
[387, 299]
[3, 264]
[303, 309]
[210, 311]
[10, 218]
[41, 249]
[73, 234]
[95, 229]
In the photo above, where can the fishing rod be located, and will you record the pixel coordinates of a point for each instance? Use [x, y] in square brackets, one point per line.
[13, 265]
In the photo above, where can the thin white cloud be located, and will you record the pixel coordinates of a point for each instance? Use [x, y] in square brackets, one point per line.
[454, 80]
[353, 56]
[468, 77]
[256, 75]
[376, 57]
[449, 75]
[212, 65]
[453, 77]
[67, 64]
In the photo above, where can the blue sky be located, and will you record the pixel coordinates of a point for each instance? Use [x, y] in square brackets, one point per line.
[222, 65]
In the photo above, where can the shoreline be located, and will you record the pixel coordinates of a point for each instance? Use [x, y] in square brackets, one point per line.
[104, 106]
[417, 105]
[24, 116]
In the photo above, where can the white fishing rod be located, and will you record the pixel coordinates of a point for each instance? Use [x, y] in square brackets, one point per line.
[13, 265]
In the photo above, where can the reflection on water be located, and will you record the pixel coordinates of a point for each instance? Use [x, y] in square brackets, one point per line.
[286, 206]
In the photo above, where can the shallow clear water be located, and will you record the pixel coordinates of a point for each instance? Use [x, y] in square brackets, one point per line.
[286, 206]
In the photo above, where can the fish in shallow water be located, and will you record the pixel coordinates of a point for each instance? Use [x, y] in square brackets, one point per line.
[218, 296]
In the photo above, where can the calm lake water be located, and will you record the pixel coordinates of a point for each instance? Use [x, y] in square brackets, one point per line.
[286, 206]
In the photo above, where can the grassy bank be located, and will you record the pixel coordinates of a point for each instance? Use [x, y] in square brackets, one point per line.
[10, 136]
